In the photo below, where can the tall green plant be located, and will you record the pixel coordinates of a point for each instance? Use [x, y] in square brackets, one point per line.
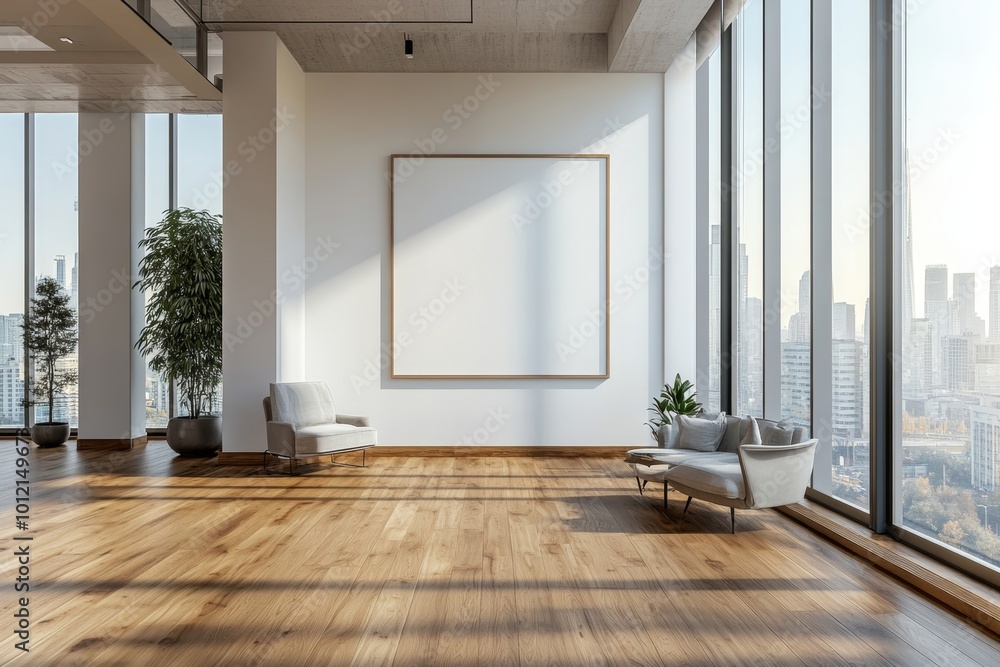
[49, 334]
[676, 399]
[181, 274]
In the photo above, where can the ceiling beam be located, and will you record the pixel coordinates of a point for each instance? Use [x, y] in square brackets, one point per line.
[646, 35]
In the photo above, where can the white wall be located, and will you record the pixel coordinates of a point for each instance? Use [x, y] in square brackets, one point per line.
[681, 246]
[355, 122]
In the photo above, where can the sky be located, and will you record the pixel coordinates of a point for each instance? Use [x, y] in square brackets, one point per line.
[56, 172]
[945, 98]
[951, 135]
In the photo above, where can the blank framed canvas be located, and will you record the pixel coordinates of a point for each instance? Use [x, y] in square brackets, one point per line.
[499, 266]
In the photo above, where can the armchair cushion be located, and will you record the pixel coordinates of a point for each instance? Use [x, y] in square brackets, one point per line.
[328, 437]
[302, 403]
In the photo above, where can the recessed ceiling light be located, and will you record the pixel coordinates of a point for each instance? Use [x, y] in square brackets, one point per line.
[66, 39]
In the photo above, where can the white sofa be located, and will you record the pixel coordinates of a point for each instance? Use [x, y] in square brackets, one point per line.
[302, 423]
[771, 474]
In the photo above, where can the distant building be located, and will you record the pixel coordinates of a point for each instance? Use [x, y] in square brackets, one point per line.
[61, 270]
[799, 327]
[935, 283]
[919, 366]
[995, 304]
[986, 445]
[796, 390]
[848, 419]
[964, 294]
[11, 393]
[986, 373]
[843, 322]
[74, 292]
[958, 356]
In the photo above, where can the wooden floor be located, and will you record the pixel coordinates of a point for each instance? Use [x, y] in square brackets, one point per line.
[143, 559]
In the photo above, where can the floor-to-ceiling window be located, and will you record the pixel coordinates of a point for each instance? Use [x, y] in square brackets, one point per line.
[948, 478]
[199, 162]
[748, 185]
[157, 198]
[850, 247]
[56, 178]
[11, 269]
[939, 343]
[55, 156]
[200, 179]
[796, 217]
[709, 76]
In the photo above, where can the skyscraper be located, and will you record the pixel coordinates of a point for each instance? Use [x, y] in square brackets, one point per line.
[942, 314]
[911, 383]
[995, 304]
[935, 283]
[907, 251]
[799, 327]
[964, 293]
[61, 270]
[74, 292]
[843, 321]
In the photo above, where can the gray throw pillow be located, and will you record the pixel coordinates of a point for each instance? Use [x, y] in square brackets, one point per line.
[702, 435]
[752, 436]
[777, 434]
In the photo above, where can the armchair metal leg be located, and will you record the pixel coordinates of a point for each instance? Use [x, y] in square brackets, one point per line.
[732, 518]
[639, 484]
[686, 505]
[665, 494]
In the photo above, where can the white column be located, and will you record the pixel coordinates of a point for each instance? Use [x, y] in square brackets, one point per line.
[685, 239]
[263, 230]
[111, 223]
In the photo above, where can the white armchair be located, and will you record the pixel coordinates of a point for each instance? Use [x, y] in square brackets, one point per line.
[764, 476]
[302, 423]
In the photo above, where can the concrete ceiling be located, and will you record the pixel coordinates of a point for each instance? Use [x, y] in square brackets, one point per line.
[469, 35]
[115, 61]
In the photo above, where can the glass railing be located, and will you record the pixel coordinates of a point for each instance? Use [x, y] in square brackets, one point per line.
[176, 22]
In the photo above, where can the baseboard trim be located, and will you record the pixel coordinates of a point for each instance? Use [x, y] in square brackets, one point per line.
[456, 451]
[111, 444]
[541, 451]
[951, 594]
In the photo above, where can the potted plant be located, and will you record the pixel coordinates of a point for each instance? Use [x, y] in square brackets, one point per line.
[181, 274]
[49, 334]
[676, 399]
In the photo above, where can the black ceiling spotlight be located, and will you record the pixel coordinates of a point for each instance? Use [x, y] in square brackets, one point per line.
[407, 46]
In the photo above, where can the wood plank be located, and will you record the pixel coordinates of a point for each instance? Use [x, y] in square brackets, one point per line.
[144, 558]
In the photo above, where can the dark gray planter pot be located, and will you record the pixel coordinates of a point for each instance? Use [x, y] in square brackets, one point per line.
[195, 437]
[50, 434]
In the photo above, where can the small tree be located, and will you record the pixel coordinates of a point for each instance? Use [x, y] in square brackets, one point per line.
[182, 276]
[49, 334]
